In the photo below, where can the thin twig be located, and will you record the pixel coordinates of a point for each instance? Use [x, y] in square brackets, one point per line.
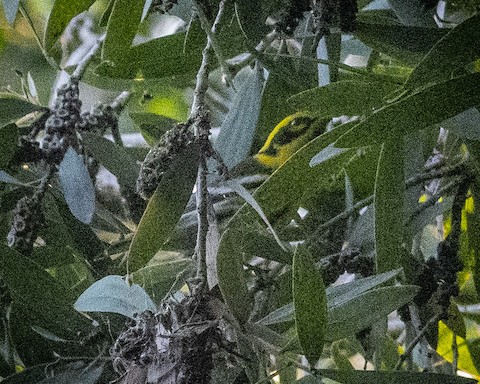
[210, 31]
[83, 64]
[451, 170]
[415, 341]
[118, 105]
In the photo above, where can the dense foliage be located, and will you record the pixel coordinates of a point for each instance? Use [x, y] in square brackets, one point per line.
[346, 251]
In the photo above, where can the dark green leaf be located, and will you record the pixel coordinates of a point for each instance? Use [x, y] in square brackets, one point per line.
[10, 9]
[37, 291]
[415, 112]
[336, 295]
[112, 157]
[354, 315]
[113, 294]
[8, 143]
[158, 276]
[238, 127]
[77, 187]
[310, 300]
[252, 19]
[121, 29]
[450, 55]
[164, 208]
[13, 107]
[62, 12]
[378, 377]
[407, 43]
[349, 97]
[388, 202]
[412, 13]
[231, 277]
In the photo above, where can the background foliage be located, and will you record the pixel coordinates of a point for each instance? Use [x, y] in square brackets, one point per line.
[383, 185]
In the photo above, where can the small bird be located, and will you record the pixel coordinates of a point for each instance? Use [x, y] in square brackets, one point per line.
[292, 133]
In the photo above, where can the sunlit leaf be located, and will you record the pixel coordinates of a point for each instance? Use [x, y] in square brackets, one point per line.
[121, 29]
[62, 12]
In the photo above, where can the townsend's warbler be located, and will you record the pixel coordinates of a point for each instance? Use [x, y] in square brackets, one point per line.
[292, 133]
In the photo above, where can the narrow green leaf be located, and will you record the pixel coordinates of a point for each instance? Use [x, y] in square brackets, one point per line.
[164, 208]
[121, 29]
[251, 17]
[112, 157]
[349, 97]
[388, 202]
[8, 143]
[36, 290]
[231, 277]
[238, 128]
[336, 295]
[13, 107]
[333, 43]
[310, 300]
[406, 43]
[113, 294]
[243, 192]
[450, 55]
[10, 9]
[157, 277]
[379, 377]
[354, 315]
[77, 187]
[415, 112]
[62, 12]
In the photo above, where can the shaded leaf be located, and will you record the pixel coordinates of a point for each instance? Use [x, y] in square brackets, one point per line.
[354, 315]
[113, 294]
[158, 276]
[389, 205]
[231, 277]
[238, 127]
[407, 43]
[310, 302]
[121, 29]
[336, 295]
[8, 143]
[348, 97]
[77, 187]
[459, 47]
[412, 13]
[14, 107]
[36, 290]
[113, 157]
[164, 208]
[415, 112]
[62, 12]
[6, 178]
[379, 377]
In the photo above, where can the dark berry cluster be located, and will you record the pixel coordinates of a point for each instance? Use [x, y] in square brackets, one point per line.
[162, 6]
[340, 14]
[292, 16]
[161, 157]
[60, 126]
[26, 218]
[98, 119]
